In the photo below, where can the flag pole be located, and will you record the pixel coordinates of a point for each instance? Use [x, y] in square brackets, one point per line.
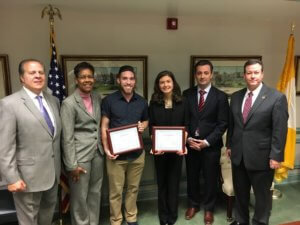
[277, 194]
[52, 12]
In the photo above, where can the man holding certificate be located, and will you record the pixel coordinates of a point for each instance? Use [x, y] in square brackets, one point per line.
[208, 111]
[167, 109]
[121, 108]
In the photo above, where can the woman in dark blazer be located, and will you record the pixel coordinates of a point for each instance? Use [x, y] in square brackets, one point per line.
[167, 109]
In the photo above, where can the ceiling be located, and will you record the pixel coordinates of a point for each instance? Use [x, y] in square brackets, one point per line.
[266, 9]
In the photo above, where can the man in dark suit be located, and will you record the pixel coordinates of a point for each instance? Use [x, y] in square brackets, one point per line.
[30, 129]
[255, 141]
[208, 111]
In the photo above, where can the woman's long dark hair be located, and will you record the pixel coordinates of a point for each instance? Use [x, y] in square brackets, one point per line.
[158, 96]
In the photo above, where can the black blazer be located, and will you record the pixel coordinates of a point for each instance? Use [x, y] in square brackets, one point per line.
[159, 117]
[212, 121]
[263, 135]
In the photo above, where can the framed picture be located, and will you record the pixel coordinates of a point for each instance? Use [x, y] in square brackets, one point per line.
[124, 139]
[228, 71]
[297, 62]
[168, 138]
[5, 88]
[106, 70]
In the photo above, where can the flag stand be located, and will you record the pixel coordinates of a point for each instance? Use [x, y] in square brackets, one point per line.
[59, 90]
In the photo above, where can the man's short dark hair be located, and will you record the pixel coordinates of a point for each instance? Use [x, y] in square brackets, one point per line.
[204, 62]
[23, 62]
[250, 62]
[124, 69]
[83, 66]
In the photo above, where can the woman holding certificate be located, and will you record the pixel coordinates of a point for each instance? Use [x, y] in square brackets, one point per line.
[167, 109]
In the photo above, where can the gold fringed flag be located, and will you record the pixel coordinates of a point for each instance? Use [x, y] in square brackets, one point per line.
[286, 85]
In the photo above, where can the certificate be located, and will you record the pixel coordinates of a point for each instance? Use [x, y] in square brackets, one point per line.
[168, 139]
[124, 139]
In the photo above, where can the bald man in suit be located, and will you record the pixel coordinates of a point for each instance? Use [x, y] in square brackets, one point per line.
[30, 131]
[255, 141]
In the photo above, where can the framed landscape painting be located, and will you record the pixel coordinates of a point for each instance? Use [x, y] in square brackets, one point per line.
[5, 88]
[106, 70]
[228, 71]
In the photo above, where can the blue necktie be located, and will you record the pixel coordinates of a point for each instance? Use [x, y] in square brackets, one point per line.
[45, 114]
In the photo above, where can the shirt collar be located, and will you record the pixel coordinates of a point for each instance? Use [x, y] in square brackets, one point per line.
[31, 94]
[207, 89]
[120, 96]
[256, 90]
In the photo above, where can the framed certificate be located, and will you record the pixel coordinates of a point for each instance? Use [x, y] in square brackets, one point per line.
[124, 139]
[168, 139]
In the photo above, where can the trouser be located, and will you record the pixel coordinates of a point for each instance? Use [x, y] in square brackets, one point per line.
[85, 194]
[261, 181]
[36, 208]
[119, 172]
[168, 172]
[208, 161]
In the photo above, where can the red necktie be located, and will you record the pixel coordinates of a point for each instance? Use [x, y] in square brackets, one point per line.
[201, 100]
[247, 106]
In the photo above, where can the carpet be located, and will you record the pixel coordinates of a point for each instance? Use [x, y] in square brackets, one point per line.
[291, 223]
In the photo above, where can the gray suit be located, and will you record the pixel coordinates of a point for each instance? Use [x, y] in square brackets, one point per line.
[82, 147]
[253, 143]
[28, 151]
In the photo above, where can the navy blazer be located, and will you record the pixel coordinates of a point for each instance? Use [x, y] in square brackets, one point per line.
[212, 121]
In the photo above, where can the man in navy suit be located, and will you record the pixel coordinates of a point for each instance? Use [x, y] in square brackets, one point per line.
[208, 111]
[255, 141]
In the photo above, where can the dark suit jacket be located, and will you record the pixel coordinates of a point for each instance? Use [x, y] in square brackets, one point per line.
[212, 121]
[263, 135]
[159, 117]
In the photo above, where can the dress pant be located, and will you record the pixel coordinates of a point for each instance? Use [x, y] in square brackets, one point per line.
[261, 181]
[36, 208]
[168, 173]
[208, 161]
[119, 172]
[85, 194]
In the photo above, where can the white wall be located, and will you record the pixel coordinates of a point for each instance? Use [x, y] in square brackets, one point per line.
[24, 34]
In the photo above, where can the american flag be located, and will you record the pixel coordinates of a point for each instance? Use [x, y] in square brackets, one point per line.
[56, 85]
[56, 81]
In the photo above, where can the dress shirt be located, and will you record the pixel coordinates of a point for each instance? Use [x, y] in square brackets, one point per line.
[36, 103]
[207, 89]
[254, 96]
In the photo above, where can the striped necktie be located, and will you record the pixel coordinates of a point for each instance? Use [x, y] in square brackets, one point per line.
[247, 106]
[201, 100]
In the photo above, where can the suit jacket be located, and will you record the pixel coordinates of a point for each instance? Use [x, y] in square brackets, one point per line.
[81, 130]
[28, 150]
[263, 135]
[212, 121]
[159, 117]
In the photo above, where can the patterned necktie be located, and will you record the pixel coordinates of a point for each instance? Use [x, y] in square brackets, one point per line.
[45, 114]
[247, 106]
[201, 100]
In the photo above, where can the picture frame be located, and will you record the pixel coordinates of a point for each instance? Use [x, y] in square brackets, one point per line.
[297, 74]
[228, 71]
[124, 139]
[5, 85]
[168, 138]
[106, 69]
